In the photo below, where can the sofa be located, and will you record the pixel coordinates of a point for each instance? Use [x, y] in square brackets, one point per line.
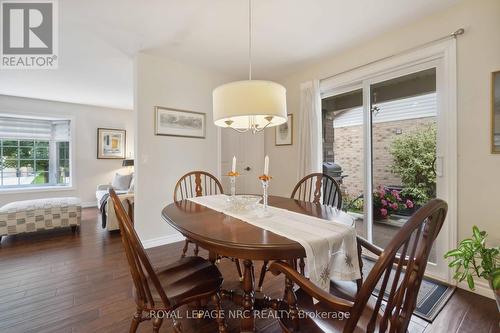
[124, 189]
[40, 214]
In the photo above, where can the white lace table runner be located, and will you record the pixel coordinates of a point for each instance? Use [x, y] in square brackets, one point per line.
[330, 246]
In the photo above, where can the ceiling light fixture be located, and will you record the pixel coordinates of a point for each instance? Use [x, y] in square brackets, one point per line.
[249, 105]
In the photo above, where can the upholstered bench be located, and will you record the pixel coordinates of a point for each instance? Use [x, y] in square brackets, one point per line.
[40, 214]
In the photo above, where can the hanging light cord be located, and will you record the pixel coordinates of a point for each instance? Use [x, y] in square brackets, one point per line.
[250, 39]
[252, 120]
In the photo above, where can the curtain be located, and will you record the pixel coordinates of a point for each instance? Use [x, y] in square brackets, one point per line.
[310, 132]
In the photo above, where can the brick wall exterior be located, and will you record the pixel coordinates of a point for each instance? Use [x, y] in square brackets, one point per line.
[345, 147]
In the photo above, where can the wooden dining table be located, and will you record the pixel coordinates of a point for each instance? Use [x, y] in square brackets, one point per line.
[223, 235]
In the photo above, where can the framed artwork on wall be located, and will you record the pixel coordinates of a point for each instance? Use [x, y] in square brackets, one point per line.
[111, 143]
[284, 133]
[173, 122]
[495, 112]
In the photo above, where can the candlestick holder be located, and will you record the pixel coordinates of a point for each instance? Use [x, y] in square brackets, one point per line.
[264, 179]
[232, 176]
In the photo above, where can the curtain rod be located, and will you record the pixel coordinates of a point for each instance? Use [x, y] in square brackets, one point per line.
[455, 34]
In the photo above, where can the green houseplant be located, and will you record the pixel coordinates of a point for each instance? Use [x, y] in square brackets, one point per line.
[472, 258]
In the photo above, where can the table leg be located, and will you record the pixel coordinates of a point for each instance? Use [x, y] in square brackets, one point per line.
[212, 257]
[248, 321]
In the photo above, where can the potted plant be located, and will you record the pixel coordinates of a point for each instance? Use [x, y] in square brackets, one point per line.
[386, 202]
[473, 258]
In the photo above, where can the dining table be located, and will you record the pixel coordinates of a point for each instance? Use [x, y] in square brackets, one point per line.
[224, 235]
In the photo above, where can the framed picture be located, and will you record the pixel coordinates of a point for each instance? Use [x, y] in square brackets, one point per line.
[175, 122]
[495, 112]
[284, 133]
[111, 143]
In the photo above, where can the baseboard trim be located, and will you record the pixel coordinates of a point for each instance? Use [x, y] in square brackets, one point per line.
[169, 239]
[481, 288]
[89, 204]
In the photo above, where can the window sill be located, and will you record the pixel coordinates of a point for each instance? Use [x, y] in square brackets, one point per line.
[35, 189]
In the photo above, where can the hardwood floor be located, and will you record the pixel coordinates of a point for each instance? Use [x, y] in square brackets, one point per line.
[59, 282]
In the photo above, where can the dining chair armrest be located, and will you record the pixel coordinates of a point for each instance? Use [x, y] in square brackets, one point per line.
[336, 303]
[377, 250]
[369, 246]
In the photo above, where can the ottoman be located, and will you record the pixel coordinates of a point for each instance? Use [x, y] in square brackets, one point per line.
[39, 214]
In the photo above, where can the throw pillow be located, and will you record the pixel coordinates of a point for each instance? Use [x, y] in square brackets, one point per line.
[121, 182]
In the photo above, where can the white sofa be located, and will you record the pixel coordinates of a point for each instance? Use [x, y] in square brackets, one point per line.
[111, 221]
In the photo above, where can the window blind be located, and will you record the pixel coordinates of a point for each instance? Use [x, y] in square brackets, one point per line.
[61, 130]
[34, 129]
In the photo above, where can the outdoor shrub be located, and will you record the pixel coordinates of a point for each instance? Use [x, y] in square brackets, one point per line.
[352, 203]
[414, 155]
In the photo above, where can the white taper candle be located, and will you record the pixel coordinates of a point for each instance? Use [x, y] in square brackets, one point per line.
[233, 168]
[266, 165]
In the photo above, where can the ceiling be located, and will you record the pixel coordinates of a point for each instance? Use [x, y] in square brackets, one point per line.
[98, 40]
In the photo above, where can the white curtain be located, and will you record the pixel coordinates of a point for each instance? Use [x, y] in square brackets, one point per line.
[310, 133]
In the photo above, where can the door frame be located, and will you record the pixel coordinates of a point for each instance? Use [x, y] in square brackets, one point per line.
[442, 56]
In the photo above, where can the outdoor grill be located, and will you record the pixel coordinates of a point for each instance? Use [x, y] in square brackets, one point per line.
[333, 170]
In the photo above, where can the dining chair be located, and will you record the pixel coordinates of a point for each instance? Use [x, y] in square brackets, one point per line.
[164, 290]
[197, 184]
[386, 299]
[317, 188]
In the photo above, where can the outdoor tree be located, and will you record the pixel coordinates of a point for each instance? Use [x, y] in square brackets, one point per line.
[414, 156]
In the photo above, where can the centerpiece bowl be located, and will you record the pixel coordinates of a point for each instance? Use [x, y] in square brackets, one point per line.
[245, 202]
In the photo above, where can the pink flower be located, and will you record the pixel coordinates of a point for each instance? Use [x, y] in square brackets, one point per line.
[394, 206]
[409, 203]
[381, 191]
[396, 194]
[384, 202]
[383, 211]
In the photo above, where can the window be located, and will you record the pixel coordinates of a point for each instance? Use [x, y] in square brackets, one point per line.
[34, 152]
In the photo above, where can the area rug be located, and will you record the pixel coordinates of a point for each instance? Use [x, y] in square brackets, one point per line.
[431, 299]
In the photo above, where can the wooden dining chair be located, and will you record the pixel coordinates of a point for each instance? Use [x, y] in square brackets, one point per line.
[162, 291]
[197, 184]
[397, 275]
[316, 188]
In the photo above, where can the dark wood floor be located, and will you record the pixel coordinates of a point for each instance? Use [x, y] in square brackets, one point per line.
[59, 282]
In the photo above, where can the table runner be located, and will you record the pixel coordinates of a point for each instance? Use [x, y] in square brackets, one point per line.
[330, 246]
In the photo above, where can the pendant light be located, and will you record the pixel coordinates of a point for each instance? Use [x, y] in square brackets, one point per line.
[249, 105]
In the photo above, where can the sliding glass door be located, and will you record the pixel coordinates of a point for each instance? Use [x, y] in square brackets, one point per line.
[403, 145]
[382, 138]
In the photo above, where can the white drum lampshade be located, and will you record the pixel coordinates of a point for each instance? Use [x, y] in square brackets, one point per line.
[249, 104]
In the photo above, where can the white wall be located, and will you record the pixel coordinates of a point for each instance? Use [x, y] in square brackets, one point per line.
[478, 54]
[162, 160]
[88, 170]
